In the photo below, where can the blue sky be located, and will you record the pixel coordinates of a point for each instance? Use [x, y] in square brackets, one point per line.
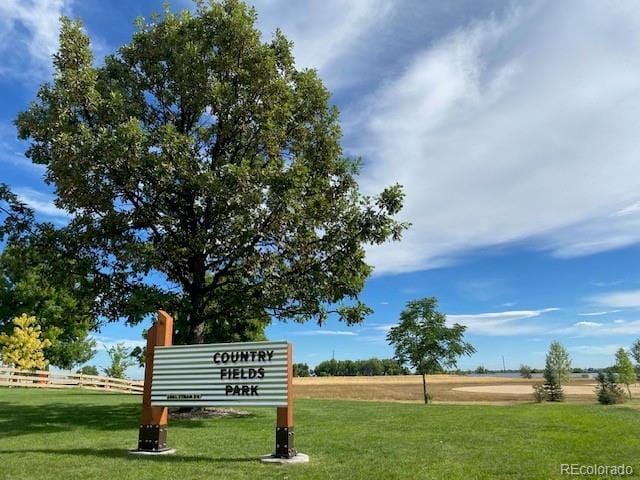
[512, 126]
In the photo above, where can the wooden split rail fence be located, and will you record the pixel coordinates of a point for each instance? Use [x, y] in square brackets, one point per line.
[14, 377]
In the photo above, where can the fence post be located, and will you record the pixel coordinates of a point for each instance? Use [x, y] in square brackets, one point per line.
[284, 417]
[152, 437]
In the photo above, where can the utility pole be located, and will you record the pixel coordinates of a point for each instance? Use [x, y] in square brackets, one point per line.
[504, 369]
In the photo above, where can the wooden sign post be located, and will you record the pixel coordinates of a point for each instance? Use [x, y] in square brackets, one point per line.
[248, 374]
[152, 436]
[284, 417]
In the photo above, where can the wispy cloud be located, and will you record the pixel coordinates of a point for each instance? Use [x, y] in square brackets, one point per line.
[40, 202]
[620, 299]
[311, 333]
[501, 323]
[598, 329]
[502, 127]
[595, 349]
[597, 314]
[29, 35]
[606, 284]
[384, 328]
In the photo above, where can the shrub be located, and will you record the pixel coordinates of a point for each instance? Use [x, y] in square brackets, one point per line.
[89, 370]
[539, 393]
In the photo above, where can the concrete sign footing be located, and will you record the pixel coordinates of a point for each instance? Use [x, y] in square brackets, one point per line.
[152, 453]
[299, 458]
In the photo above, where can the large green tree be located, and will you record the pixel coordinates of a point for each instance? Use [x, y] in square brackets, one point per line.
[423, 340]
[40, 277]
[200, 156]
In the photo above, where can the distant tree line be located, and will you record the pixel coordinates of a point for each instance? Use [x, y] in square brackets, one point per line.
[351, 368]
[525, 370]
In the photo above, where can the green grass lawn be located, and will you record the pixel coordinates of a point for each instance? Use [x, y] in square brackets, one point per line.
[71, 434]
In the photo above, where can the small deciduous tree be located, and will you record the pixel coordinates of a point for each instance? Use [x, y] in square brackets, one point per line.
[120, 361]
[525, 371]
[423, 340]
[624, 369]
[24, 347]
[557, 371]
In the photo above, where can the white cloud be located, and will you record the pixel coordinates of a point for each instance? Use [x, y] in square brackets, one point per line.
[311, 333]
[500, 323]
[588, 324]
[595, 349]
[384, 328]
[597, 314]
[596, 329]
[322, 32]
[620, 299]
[515, 128]
[40, 202]
[29, 34]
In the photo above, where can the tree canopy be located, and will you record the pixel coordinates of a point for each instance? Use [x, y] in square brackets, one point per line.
[41, 277]
[203, 173]
[423, 340]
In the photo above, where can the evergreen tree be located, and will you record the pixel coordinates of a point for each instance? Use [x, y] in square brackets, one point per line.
[557, 370]
[635, 353]
[608, 391]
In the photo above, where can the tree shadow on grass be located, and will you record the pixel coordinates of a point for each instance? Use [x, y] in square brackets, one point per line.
[111, 453]
[19, 419]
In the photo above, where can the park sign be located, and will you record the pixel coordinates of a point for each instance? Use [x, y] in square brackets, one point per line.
[249, 374]
[221, 374]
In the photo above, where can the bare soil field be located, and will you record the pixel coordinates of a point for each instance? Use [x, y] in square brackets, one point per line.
[443, 388]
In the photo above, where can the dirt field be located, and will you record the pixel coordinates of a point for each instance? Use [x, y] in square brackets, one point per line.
[443, 388]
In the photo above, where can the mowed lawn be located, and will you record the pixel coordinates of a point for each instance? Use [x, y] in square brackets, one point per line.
[69, 434]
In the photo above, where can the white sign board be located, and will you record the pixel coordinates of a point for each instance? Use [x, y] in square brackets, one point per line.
[221, 374]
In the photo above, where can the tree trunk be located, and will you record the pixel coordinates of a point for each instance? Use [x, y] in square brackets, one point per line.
[424, 388]
[197, 330]
[197, 316]
[629, 390]
[197, 299]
